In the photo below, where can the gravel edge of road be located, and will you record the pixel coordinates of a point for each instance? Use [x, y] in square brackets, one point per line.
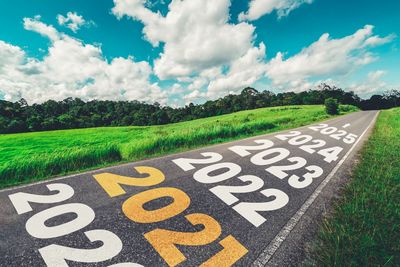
[294, 250]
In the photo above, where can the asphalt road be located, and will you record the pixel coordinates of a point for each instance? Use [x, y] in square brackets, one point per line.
[228, 204]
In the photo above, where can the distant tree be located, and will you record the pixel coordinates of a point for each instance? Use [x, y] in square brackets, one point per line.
[75, 113]
[331, 106]
[3, 124]
[17, 126]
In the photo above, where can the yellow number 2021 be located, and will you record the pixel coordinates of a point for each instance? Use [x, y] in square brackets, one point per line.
[111, 183]
[165, 241]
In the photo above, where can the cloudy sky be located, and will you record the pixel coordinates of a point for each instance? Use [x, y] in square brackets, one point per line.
[181, 51]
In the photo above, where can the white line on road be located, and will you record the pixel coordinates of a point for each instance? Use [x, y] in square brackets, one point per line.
[270, 250]
[346, 125]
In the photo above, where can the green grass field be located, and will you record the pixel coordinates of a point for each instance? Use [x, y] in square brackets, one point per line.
[33, 156]
[364, 229]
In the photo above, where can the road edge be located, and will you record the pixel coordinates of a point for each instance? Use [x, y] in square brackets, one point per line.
[288, 248]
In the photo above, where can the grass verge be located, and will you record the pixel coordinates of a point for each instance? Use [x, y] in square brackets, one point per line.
[33, 156]
[364, 229]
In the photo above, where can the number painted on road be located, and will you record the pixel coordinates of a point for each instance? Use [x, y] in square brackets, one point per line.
[350, 138]
[21, 200]
[331, 154]
[243, 151]
[56, 256]
[298, 183]
[186, 164]
[284, 137]
[326, 130]
[225, 192]
[203, 175]
[134, 210]
[223, 179]
[279, 171]
[310, 148]
[111, 183]
[232, 252]
[261, 160]
[300, 140]
[250, 210]
[338, 135]
[318, 127]
[165, 241]
[36, 226]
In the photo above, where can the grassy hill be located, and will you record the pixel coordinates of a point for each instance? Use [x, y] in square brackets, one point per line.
[32, 156]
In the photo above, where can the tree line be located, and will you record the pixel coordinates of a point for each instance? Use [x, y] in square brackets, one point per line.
[72, 113]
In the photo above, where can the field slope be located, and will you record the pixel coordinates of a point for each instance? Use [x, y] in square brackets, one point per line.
[33, 156]
[364, 229]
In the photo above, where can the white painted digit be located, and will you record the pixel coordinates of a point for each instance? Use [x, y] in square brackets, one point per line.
[203, 175]
[36, 226]
[331, 154]
[318, 127]
[250, 210]
[315, 172]
[279, 171]
[287, 136]
[350, 138]
[300, 140]
[259, 160]
[338, 135]
[56, 256]
[225, 192]
[21, 200]
[329, 130]
[317, 144]
[187, 164]
[243, 151]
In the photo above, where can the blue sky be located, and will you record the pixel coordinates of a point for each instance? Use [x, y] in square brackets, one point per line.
[176, 52]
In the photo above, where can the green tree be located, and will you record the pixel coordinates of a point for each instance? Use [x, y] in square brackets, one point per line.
[331, 106]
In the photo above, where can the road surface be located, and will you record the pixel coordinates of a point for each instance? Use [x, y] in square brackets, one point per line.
[229, 204]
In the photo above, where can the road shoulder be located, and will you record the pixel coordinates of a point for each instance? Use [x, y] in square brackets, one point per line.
[294, 249]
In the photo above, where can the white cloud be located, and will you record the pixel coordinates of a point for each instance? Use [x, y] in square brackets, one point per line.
[73, 21]
[326, 56]
[377, 41]
[372, 84]
[196, 35]
[376, 75]
[10, 56]
[243, 72]
[194, 96]
[45, 30]
[259, 8]
[72, 69]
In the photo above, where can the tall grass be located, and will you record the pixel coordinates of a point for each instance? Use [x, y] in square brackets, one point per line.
[194, 137]
[33, 156]
[364, 229]
[60, 162]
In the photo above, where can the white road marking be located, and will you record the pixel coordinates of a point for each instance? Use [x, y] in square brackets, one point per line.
[346, 125]
[273, 246]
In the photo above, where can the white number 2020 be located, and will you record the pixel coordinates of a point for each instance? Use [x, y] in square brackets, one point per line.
[56, 255]
[21, 200]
